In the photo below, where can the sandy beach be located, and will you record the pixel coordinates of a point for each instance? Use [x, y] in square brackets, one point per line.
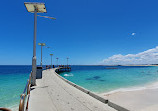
[142, 99]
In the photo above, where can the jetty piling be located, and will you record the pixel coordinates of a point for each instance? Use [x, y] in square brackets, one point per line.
[62, 68]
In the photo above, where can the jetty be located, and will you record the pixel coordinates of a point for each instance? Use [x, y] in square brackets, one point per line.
[64, 68]
[52, 93]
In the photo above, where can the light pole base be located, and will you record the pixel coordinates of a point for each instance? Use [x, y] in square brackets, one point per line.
[33, 82]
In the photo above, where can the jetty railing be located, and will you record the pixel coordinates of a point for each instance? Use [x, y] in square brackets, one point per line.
[4, 109]
[24, 98]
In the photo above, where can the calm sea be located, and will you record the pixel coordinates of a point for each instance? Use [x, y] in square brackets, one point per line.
[98, 79]
[12, 83]
[103, 79]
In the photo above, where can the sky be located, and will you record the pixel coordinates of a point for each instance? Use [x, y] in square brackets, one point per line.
[89, 32]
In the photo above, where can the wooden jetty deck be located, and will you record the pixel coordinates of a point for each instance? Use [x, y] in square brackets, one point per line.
[54, 94]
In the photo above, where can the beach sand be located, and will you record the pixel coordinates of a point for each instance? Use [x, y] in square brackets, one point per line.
[137, 100]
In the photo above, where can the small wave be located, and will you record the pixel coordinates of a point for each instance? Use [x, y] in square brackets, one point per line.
[124, 90]
[147, 86]
[68, 75]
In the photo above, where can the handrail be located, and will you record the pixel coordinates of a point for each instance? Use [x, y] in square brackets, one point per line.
[24, 98]
[4, 109]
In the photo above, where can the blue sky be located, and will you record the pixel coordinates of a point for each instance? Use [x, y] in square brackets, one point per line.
[86, 31]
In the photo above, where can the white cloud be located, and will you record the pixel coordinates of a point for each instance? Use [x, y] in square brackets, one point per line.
[149, 56]
[133, 34]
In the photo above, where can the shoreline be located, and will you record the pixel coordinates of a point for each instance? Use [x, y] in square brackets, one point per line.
[151, 85]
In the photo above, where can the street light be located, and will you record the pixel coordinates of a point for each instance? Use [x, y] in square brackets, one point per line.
[35, 8]
[57, 60]
[47, 17]
[51, 59]
[67, 60]
[41, 44]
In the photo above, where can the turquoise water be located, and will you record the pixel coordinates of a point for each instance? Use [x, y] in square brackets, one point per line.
[95, 78]
[100, 80]
[13, 80]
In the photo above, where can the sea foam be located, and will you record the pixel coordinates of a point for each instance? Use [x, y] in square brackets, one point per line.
[66, 75]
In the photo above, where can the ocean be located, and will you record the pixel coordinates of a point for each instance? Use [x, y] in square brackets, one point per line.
[99, 79]
[104, 79]
[13, 79]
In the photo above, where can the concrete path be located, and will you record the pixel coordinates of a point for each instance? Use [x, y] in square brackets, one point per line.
[54, 94]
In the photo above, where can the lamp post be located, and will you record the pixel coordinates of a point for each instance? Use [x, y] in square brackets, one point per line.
[41, 44]
[67, 60]
[35, 8]
[57, 60]
[51, 59]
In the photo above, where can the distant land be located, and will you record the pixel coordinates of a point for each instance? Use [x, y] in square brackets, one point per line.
[122, 65]
[140, 65]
